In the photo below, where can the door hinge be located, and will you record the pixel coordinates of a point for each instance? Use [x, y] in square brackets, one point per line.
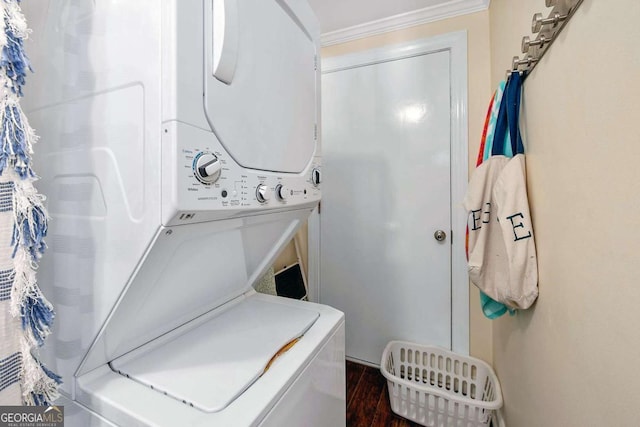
[315, 132]
[315, 62]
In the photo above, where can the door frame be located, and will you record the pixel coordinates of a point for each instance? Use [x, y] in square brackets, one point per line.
[456, 44]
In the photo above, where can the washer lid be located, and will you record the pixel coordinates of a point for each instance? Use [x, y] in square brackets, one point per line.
[261, 97]
[209, 366]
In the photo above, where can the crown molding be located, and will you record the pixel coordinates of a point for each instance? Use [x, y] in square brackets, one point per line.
[397, 22]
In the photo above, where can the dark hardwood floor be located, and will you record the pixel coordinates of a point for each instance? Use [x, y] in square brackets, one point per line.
[368, 399]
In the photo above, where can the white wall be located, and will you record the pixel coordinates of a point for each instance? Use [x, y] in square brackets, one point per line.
[571, 360]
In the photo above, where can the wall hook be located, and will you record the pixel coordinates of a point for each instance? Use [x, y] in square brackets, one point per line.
[548, 28]
[528, 61]
[540, 42]
[538, 21]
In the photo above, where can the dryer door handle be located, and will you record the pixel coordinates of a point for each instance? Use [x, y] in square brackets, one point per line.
[225, 39]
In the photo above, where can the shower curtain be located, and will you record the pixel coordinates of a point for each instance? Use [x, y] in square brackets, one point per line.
[25, 314]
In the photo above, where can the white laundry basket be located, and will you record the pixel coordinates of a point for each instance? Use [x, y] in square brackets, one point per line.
[435, 387]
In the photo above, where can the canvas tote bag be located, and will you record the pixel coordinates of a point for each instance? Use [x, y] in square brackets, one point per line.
[491, 308]
[502, 259]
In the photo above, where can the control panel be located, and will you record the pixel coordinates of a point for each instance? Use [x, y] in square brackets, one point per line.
[208, 184]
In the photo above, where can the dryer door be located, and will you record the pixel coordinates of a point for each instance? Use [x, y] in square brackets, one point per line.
[260, 81]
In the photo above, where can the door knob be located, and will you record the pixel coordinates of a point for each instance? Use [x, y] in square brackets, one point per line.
[440, 235]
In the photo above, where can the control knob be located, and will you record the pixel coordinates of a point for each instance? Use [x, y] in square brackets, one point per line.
[316, 177]
[262, 193]
[207, 168]
[282, 193]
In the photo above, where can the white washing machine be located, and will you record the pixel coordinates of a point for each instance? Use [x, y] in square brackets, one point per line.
[179, 152]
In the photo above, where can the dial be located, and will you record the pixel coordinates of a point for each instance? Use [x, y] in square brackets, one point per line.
[282, 193]
[207, 168]
[262, 193]
[316, 178]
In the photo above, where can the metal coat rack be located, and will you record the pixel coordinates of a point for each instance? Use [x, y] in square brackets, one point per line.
[547, 29]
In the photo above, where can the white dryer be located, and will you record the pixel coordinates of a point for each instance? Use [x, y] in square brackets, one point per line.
[179, 152]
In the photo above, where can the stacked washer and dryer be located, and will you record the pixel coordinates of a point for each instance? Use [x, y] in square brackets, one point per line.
[179, 152]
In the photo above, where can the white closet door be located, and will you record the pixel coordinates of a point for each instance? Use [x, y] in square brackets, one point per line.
[386, 191]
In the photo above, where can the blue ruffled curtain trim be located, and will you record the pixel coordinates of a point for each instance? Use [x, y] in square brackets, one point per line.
[30, 228]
